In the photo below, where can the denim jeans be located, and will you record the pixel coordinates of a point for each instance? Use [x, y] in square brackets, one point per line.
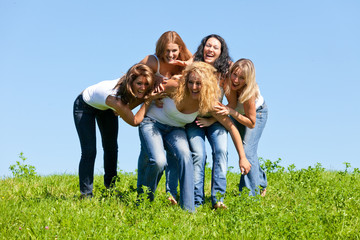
[155, 138]
[172, 175]
[85, 117]
[171, 172]
[256, 177]
[217, 137]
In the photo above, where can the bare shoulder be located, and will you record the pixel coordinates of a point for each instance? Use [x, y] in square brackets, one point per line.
[150, 61]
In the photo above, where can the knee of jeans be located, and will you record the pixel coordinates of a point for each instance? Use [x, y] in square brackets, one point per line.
[88, 153]
[198, 175]
[110, 148]
[198, 157]
[161, 163]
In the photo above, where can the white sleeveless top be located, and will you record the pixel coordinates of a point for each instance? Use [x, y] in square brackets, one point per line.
[96, 94]
[258, 102]
[169, 114]
[158, 68]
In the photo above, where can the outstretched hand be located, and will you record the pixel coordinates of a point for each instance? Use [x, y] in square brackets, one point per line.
[180, 63]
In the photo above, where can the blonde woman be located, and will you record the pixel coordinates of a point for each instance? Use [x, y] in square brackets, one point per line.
[163, 129]
[214, 51]
[97, 103]
[170, 48]
[249, 112]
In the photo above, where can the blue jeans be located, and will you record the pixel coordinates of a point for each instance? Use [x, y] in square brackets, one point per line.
[172, 175]
[155, 139]
[217, 137]
[85, 117]
[256, 177]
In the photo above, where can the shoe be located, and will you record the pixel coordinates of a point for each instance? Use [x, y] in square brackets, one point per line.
[220, 205]
[86, 196]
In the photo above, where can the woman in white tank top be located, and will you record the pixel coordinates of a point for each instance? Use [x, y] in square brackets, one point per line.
[197, 93]
[249, 112]
[170, 51]
[98, 103]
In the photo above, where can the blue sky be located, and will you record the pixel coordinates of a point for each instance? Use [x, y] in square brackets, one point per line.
[306, 54]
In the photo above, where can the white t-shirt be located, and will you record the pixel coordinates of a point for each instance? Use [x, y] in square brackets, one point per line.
[169, 114]
[96, 94]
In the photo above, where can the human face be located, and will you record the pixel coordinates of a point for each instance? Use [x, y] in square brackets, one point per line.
[172, 52]
[194, 86]
[139, 86]
[212, 50]
[237, 79]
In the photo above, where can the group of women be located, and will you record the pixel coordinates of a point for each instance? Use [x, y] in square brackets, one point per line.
[181, 97]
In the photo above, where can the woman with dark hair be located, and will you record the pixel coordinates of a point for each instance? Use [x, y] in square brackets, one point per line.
[214, 51]
[98, 103]
[217, 57]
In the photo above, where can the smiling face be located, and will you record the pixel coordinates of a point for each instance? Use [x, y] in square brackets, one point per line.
[139, 86]
[194, 86]
[237, 79]
[212, 50]
[172, 52]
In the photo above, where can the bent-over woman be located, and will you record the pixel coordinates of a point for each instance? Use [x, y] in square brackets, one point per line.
[96, 104]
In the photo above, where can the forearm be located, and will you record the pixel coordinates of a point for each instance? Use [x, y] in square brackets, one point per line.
[244, 120]
[139, 116]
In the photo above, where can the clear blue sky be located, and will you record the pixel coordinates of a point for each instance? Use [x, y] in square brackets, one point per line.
[306, 54]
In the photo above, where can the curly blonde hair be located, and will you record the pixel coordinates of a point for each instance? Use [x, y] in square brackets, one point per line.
[251, 88]
[210, 91]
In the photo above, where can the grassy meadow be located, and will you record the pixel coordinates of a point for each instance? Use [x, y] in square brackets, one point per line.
[310, 203]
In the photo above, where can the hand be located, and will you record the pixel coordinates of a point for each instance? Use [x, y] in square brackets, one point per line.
[204, 122]
[244, 165]
[221, 109]
[159, 83]
[179, 63]
[154, 95]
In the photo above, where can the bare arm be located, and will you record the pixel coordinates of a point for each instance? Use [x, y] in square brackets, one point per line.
[249, 119]
[244, 164]
[124, 110]
[182, 63]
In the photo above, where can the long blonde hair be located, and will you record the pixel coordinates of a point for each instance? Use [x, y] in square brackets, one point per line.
[210, 91]
[250, 88]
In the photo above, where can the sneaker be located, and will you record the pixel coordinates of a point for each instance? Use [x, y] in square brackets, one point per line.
[86, 196]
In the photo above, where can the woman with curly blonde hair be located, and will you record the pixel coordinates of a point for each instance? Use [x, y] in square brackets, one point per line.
[170, 48]
[249, 113]
[163, 129]
[210, 90]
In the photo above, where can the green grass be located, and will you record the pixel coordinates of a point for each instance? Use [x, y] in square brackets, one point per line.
[309, 203]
